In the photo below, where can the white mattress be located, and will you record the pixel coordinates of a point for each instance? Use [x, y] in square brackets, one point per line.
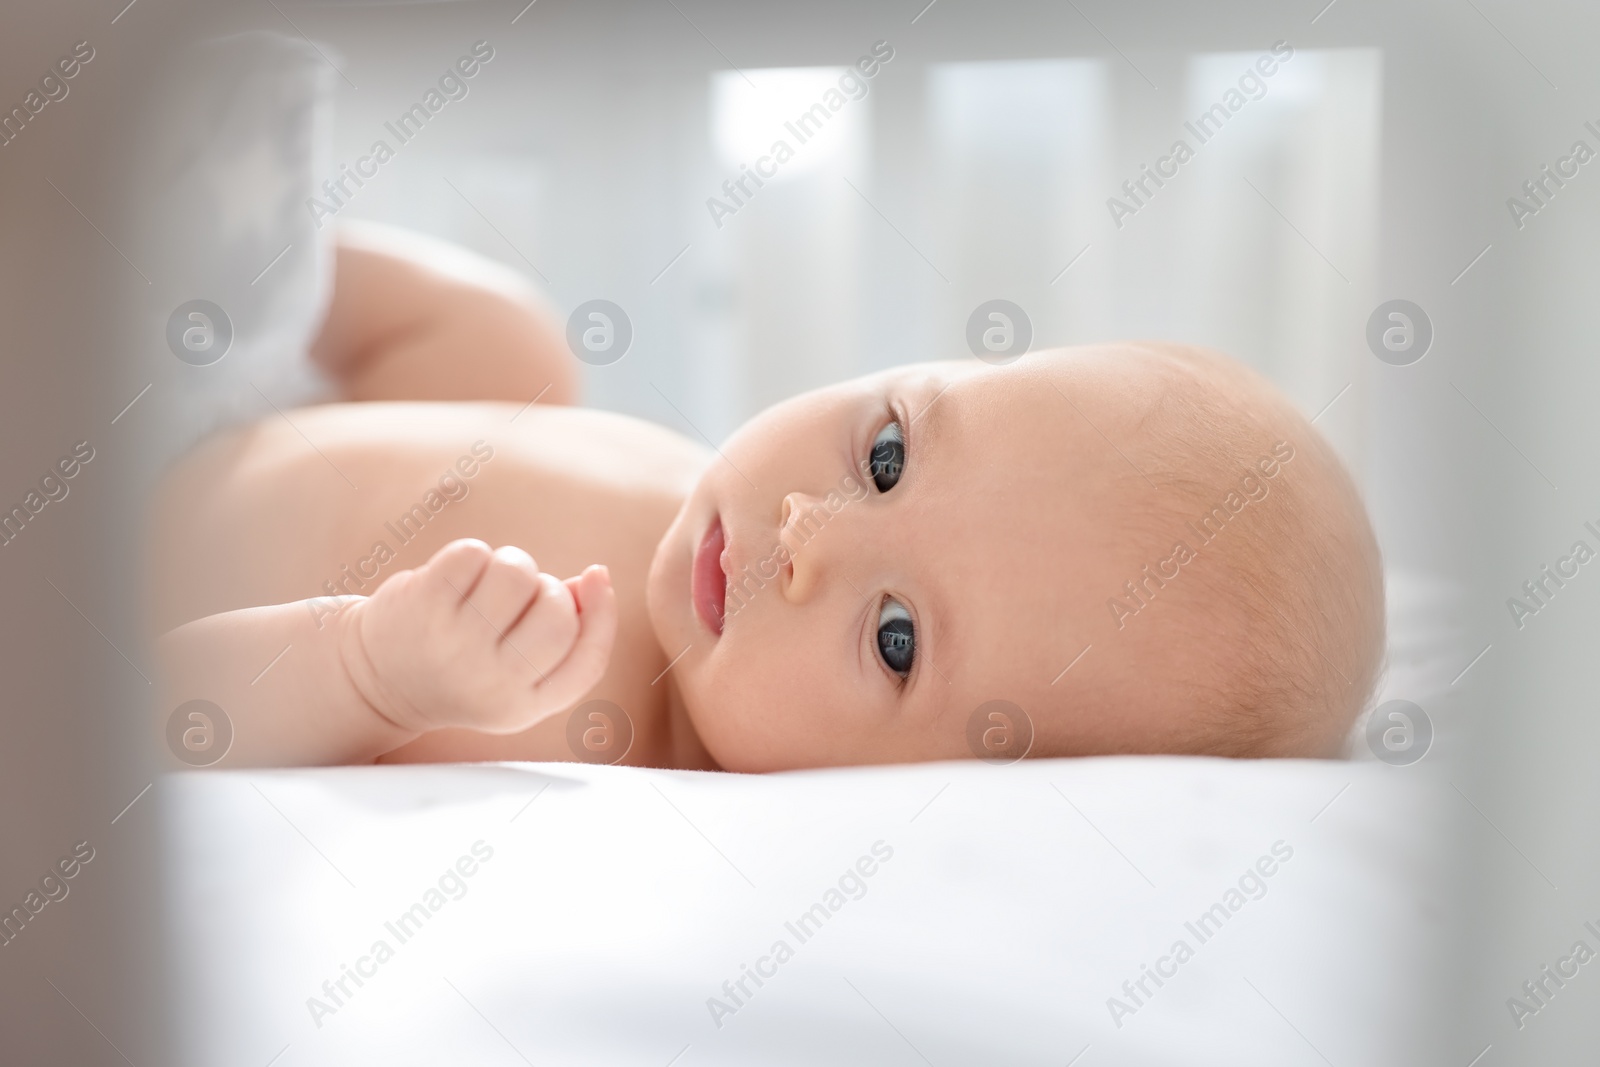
[618, 901]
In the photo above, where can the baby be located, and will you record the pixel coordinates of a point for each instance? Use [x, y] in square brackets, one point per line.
[1140, 547]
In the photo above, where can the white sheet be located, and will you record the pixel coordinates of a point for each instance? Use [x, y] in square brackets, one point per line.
[618, 901]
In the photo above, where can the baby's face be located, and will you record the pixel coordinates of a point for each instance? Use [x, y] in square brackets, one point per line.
[868, 563]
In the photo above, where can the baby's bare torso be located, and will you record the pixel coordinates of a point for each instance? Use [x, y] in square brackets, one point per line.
[333, 499]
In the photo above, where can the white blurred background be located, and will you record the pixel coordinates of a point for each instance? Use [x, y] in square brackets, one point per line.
[948, 184]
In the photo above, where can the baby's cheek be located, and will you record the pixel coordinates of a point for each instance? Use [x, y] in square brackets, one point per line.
[736, 716]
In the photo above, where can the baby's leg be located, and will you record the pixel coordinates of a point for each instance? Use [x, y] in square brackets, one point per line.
[413, 318]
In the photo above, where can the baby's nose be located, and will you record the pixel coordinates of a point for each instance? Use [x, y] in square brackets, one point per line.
[802, 530]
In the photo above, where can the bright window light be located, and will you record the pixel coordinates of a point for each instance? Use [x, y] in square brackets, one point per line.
[789, 105]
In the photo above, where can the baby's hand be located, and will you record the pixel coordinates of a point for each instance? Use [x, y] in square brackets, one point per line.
[480, 639]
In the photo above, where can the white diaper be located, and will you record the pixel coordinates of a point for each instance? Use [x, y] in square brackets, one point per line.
[237, 141]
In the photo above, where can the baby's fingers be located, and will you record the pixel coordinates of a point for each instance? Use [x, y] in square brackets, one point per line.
[544, 635]
[571, 627]
[452, 573]
[591, 654]
[506, 588]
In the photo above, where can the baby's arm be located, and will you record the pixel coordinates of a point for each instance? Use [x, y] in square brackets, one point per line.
[414, 318]
[472, 638]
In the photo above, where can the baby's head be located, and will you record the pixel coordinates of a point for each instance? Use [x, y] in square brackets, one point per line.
[1142, 546]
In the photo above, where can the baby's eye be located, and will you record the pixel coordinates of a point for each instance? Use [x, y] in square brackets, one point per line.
[888, 457]
[897, 638]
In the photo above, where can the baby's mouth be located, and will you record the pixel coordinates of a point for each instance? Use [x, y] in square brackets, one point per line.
[708, 583]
